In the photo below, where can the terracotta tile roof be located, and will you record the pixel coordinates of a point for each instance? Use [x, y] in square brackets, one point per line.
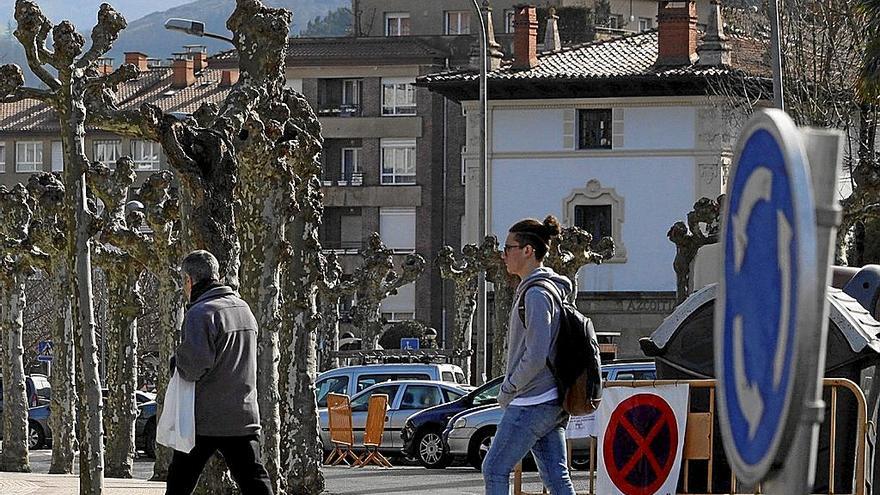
[151, 86]
[630, 57]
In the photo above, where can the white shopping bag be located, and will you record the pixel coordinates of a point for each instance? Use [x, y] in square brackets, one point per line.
[177, 424]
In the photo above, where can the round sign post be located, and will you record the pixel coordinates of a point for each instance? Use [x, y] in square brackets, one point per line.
[765, 318]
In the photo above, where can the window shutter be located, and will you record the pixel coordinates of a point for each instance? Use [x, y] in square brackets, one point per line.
[568, 129]
[617, 128]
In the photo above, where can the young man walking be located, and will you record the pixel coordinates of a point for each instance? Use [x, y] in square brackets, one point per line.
[533, 417]
[219, 354]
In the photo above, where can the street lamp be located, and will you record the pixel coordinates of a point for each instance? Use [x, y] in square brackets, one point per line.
[482, 357]
[193, 28]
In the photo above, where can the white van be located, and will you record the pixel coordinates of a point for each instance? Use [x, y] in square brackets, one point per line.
[350, 380]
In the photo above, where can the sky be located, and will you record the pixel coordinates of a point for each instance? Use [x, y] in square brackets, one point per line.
[83, 12]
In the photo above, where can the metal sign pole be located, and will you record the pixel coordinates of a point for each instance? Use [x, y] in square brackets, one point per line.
[824, 151]
[776, 56]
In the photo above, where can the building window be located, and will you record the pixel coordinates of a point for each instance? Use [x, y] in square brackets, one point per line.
[599, 211]
[107, 151]
[463, 165]
[395, 316]
[398, 161]
[145, 155]
[351, 94]
[398, 97]
[397, 24]
[28, 156]
[594, 129]
[509, 18]
[644, 23]
[401, 306]
[397, 226]
[57, 156]
[351, 166]
[595, 219]
[2, 158]
[458, 22]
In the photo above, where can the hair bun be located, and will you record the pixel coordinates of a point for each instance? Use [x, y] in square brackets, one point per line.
[551, 226]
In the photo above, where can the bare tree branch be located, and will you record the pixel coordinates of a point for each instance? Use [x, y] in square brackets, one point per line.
[33, 29]
[104, 34]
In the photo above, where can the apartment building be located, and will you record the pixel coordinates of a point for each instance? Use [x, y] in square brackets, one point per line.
[30, 139]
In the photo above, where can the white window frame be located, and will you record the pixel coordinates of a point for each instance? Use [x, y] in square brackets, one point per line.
[594, 194]
[457, 22]
[644, 24]
[142, 161]
[2, 158]
[394, 23]
[351, 92]
[57, 165]
[509, 21]
[100, 147]
[398, 174]
[463, 165]
[22, 164]
[356, 168]
[402, 97]
[397, 316]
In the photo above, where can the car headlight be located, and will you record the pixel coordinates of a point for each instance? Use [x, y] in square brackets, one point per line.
[460, 423]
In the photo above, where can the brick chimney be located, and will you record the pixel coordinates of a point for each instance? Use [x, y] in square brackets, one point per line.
[199, 56]
[104, 66]
[182, 71]
[137, 59]
[677, 32]
[228, 78]
[525, 37]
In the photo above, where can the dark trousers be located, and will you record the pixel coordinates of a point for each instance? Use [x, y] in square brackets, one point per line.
[242, 456]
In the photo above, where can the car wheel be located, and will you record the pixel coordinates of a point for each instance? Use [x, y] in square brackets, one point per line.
[36, 436]
[480, 443]
[150, 439]
[430, 450]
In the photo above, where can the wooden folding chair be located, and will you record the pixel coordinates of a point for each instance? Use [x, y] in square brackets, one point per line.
[341, 433]
[376, 410]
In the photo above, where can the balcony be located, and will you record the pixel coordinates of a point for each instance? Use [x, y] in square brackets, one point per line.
[343, 110]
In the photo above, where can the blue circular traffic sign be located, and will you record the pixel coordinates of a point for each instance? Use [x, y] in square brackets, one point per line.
[767, 287]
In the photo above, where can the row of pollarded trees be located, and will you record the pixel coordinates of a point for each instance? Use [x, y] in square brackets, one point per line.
[249, 192]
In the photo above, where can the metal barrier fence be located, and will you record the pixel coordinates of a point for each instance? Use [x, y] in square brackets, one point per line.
[704, 468]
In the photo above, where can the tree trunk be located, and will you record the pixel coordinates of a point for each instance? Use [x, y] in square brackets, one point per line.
[503, 300]
[63, 402]
[14, 457]
[121, 375]
[329, 333]
[465, 305]
[170, 322]
[300, 440]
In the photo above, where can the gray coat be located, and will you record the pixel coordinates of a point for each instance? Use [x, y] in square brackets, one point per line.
[219, 353]
[529, 346]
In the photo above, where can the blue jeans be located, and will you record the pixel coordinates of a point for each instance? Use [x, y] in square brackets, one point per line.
[538, 428]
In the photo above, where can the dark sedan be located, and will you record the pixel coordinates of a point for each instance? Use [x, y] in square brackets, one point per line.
[422, 433]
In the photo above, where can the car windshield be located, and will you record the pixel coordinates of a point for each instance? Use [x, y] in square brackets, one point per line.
[361, 402]
[488, 395]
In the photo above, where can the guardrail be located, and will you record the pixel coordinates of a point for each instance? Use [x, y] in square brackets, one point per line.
[701, 467]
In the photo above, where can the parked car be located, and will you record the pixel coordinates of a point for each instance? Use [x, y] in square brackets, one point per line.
[422, 433]
[469, 434]
[145, 423]
[39, 393]
[405, 397]
[350, 380]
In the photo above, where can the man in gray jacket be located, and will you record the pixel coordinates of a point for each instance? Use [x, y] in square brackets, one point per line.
[533, 416]
[219, 354]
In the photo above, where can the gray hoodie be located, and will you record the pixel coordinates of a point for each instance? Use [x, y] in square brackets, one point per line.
[529, 346]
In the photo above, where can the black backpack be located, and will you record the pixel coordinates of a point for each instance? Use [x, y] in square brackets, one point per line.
[576, 365]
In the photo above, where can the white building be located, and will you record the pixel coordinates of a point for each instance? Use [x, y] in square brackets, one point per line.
[619, 137]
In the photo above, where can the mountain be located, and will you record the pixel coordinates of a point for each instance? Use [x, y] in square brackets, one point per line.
[148, 35]
[84, 13]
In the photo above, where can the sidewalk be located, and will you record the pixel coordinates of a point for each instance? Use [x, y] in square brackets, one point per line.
[68, 484]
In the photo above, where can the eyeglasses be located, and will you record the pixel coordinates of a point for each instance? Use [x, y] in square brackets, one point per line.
[508, 247]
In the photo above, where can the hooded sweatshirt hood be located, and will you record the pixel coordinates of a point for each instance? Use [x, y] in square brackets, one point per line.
[562, 282]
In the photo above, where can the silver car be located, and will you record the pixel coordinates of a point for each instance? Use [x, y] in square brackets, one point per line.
[405, 398]
[469, 433]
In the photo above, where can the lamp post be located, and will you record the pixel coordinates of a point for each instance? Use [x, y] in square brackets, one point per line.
[193, 28]
[484, 169]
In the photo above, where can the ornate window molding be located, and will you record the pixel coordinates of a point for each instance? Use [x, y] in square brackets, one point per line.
[593, 194]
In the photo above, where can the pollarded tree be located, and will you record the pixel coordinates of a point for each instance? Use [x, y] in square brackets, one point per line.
[119, 249]
[375, 280]
[333, 287]
[49, 231]
[503, 286]
[573, 250]
[702, 228]
[464, 274]
[18, 260]
[160, 211]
